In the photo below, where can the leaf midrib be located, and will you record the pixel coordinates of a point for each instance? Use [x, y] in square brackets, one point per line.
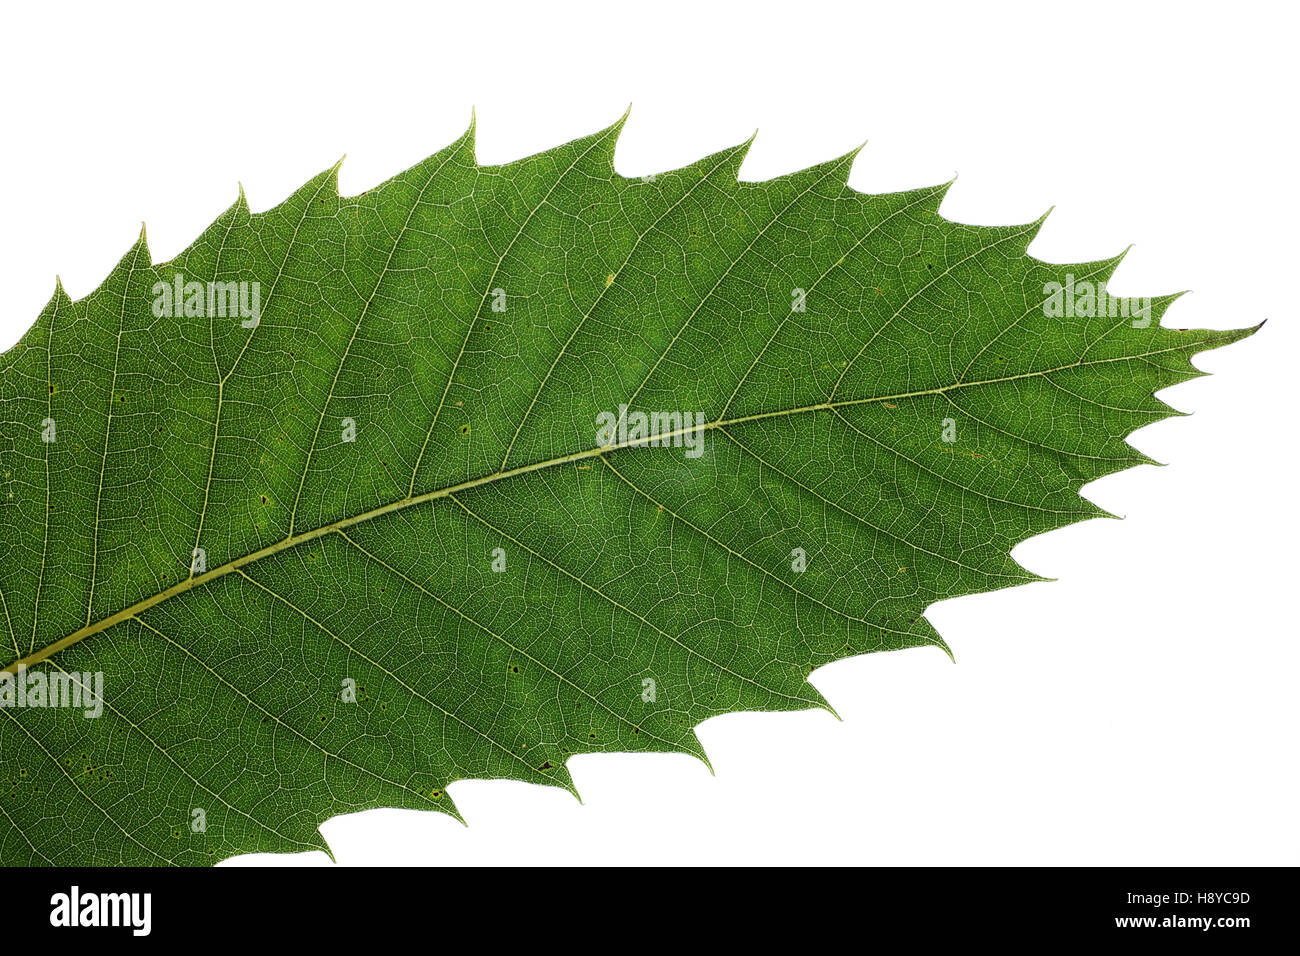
[292, 541]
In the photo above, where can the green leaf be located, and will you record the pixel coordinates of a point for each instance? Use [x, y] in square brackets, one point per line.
[890, 402]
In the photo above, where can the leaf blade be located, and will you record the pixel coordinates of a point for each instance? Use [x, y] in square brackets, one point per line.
[369, 560]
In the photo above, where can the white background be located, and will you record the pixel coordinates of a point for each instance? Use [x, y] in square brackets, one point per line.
[1140, 710]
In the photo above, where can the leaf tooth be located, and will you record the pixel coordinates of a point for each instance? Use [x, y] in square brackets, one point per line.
[923, 201]
[940, 193]
[698, 751]
[1030, 233]
[60, 296]
[1167, 410]
[929, 635]
[444, 804]
[1033, 577]
[1109, 266]
[558, 776]
[1219, 340]
[468, 142]
[328, 851]
[332, 182]
[1144, 458]
[1098, 511]
[818, 700]
[607, 141]
[741, 152]
[728, 168]
[845, 163]
[141, 244]
[238, 211]
[465, 142]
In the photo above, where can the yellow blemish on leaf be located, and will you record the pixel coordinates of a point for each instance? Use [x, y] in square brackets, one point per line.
[609, 280]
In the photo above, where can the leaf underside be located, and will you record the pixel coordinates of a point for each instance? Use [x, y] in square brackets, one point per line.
[644, 589]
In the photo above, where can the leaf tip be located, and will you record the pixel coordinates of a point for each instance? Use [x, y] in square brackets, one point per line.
[1236, 335]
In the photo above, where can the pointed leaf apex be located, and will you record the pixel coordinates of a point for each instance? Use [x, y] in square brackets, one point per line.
[907, 293]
